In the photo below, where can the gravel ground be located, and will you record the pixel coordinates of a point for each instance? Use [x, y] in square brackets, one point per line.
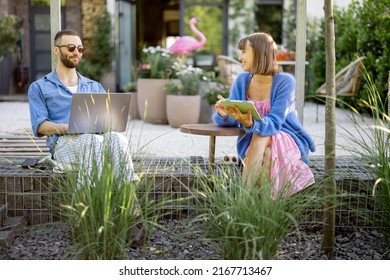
[53, 242]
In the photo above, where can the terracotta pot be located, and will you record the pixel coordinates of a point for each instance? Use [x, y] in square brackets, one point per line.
[151, 100]
[183, 109]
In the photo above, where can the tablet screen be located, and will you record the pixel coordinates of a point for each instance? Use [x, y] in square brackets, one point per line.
[244, 106]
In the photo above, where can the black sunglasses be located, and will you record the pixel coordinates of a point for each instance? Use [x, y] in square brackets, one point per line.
[72, 47]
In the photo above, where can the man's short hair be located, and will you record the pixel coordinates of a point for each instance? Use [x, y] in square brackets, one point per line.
[65, 32]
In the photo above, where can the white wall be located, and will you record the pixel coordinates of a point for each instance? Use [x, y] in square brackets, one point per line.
[315, 8]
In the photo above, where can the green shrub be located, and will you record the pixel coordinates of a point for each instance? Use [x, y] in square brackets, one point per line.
[361, 30]
[212, 95]
[10, 33]
[189, 82]
[102, 207]
[100, 211]
[373, 148]
[130, 87]
[98, 55]
[155, 63]
[246, 223]
[374, 41]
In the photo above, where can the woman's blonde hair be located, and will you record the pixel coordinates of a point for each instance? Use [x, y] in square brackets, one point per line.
[264, 53]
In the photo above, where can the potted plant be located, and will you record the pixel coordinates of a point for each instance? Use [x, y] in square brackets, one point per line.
[219, 89]
[10, 34]
[211, 86]
[183, 99]
[154, 70]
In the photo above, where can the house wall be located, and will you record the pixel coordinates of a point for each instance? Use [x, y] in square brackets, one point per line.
[4, 6]
[315, 7]
[20, 8]
[73, 15]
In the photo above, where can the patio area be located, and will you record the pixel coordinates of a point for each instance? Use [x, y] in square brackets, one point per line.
[168, 158]
[153, 140]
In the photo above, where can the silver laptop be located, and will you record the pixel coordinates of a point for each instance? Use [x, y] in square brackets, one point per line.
[99, 112]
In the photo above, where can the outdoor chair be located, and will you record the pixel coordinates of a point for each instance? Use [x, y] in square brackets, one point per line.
[229, 68]
[347, 79]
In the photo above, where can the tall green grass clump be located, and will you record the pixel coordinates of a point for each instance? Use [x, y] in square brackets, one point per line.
[102, 208]
[373, 147]
[246, 223]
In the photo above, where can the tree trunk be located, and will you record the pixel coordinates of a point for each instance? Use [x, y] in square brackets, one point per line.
[330, 134]
[388, 97]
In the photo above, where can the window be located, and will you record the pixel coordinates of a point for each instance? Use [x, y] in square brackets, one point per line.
[269, 18]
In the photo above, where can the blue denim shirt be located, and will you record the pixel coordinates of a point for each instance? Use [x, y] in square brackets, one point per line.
[50, 100]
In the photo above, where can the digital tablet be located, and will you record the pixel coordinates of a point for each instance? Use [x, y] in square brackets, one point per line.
[244, 106]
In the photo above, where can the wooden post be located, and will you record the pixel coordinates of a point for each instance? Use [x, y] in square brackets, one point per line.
[388, 98]
[300, 50]
[329, 180]
[55, 26]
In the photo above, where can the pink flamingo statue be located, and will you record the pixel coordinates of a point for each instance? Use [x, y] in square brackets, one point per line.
[186, 44]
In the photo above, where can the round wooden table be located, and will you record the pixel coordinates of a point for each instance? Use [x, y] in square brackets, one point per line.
[213, 131]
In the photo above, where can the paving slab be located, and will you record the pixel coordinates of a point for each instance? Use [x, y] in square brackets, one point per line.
[164, 141]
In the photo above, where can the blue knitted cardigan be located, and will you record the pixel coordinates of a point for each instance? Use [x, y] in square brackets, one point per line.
[282, 116]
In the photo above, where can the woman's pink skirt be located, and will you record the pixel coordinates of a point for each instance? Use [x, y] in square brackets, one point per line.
[287, 168]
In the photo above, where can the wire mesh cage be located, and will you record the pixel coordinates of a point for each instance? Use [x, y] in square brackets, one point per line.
[27, 192]
[355, 204]
[168, 185]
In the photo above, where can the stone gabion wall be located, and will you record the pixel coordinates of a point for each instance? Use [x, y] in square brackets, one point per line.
[89, 10]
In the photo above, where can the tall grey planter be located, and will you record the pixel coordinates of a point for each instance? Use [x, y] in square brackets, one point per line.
[206, 110]
[5, 74]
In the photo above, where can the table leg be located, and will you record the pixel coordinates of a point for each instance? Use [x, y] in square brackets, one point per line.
[212, 150]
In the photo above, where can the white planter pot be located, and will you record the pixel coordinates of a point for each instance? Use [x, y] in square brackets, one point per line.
[183, 109]
[151, 100]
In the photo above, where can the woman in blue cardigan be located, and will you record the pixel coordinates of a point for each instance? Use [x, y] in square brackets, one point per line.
[277, 146]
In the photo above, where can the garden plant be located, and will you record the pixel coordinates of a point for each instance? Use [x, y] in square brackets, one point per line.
[360, 30]
[246, 222]
[373, 148]
[103, 210]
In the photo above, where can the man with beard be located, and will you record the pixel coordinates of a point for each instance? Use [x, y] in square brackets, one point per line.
[50, 100]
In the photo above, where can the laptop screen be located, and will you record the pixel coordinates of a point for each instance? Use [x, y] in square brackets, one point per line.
[99, 112]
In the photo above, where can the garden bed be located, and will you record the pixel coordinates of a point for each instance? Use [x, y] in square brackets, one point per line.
[179, 241]
[175, 176]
